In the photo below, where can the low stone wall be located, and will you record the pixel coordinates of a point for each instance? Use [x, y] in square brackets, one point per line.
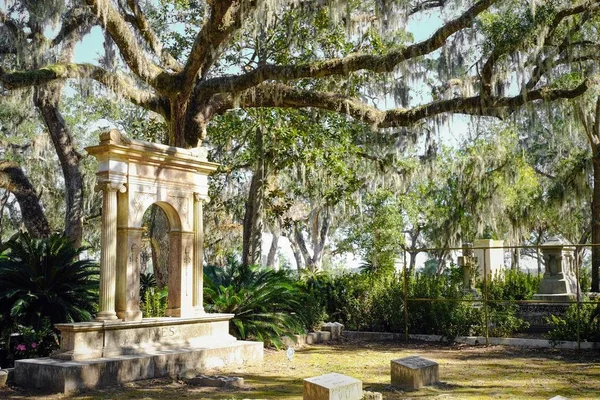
[297, 341]
[471, 340]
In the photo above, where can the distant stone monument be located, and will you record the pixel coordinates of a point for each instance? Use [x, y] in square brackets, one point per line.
[490, 256]
[559, 282]
[468, 264]
[332, 386]
[414, 372]
[120, 346]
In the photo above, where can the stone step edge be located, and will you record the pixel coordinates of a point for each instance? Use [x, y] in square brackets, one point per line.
[297, 341]
[473, 340]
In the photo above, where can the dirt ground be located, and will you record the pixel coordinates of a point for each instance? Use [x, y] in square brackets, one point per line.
[466, 372]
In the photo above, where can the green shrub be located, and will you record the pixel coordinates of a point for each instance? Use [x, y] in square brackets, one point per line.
[24, 342]
[565, 327]
[154, 303]
[267, 304]
[44, 279]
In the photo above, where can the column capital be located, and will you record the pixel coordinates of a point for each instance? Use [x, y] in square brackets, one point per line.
[106, 185]
[198, 197]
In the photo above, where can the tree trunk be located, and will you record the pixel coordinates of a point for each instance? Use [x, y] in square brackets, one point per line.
[516, 259]
[596, 225]
[296, 252]
[14, 180]
[413, 261]
[252, 233]
[158, 231]
[47, 100]
[272, 256]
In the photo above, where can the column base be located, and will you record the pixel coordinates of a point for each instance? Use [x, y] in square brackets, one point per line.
[106, 316]
[130, 315]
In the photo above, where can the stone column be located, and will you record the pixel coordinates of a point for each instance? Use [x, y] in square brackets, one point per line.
[198, 255]
[108, 250]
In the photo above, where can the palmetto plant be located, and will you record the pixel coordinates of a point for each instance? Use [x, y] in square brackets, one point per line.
[265, 302]
[44, 279]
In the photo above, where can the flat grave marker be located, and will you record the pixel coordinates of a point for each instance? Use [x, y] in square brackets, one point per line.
[332, 386]
[414, 372]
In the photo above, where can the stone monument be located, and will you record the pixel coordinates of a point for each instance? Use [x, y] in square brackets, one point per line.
[468, 264]
[120, 345]
[490, 256]
[559, 283]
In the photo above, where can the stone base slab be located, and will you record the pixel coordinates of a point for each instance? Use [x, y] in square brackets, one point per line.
[52, 375]
[90, 340]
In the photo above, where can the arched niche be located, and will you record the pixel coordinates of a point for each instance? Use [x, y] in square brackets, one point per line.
[133, 175]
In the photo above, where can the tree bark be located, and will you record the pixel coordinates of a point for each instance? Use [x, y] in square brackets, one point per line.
[47, 100]
[252, 233]
[272, 256]
[13, 179]
[596, 225]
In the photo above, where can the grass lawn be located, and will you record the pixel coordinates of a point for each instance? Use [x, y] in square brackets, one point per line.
[495, 372]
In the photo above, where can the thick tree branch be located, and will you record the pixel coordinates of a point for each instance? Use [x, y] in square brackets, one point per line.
[121, 86]
[487, 71]
[345, 65]
[139, 21]
[14, 180]
[77, 19]
[278, 95]
[130, 50]
[224, 17]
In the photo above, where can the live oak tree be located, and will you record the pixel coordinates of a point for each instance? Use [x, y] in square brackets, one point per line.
[488, 58]
[189, 87]
[24, 44]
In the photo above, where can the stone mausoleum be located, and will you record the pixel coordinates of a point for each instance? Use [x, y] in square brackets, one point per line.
[121, 345]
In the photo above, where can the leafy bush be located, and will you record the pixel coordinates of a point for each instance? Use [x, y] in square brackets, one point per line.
[154, 303]
[43, 279]
[440, 316]
[22, 342]
[565, 327]
[265, 302]
[147, 281]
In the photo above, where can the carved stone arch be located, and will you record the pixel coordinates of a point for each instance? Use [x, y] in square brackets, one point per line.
[145, 173]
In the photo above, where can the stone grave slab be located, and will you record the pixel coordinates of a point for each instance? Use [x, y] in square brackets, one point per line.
[414, 372]
[332, 386]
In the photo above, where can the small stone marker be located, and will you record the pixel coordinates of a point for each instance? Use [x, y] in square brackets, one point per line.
[335, 328]
[414, 372]
[372, 395]
[559, 398]
[332, 386]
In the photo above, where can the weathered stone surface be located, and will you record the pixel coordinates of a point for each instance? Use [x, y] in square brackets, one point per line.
[559, 282]
[91, 340]
[70, 376]
[414, 372]
[332, 386]
[490, 253]
[335, 328]
[372, 395]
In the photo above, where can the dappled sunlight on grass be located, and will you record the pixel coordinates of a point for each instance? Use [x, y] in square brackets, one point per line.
[466, 373]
